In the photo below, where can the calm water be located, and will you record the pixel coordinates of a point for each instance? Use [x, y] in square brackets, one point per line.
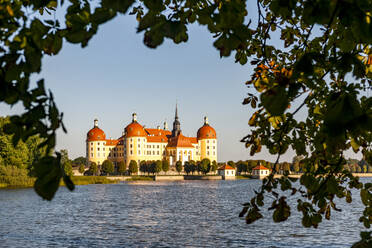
[157, 214]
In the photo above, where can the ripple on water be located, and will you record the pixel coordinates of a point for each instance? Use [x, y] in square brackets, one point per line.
[160, 214]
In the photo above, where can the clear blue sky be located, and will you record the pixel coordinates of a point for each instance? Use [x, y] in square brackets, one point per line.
[117, 75]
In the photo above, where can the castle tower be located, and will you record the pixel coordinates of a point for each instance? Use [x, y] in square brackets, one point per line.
[207, 140]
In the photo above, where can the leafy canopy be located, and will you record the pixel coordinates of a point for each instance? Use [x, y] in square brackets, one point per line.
[321, 67]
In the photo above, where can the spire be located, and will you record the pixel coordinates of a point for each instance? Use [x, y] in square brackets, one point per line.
[176, 124]
[176, 115]
[206, 120]
[95, 123]
[134, 117]
[165, 125]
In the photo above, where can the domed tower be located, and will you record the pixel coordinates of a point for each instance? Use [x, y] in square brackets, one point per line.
[95, 143]
[207, 141]
[135, 141]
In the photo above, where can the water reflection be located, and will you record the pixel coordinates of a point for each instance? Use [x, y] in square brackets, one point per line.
[160, 214]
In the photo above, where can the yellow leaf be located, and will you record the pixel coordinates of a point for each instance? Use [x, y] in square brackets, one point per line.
[10, 11]
[368, 17]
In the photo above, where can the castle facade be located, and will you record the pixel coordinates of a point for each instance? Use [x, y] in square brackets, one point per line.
[149, 144]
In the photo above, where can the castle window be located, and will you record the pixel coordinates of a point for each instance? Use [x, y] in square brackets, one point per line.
[139, 140]
[98, 155]
[139, 146]
[131, 140]
[131, 145]
[98, 149]
[104, 143]
[207, 141]
[158, 146]
[98, 143]
[158, 153]
[91, 148]
[139, 152]
[207, 147]
[153, 152]
[214, 147]
[103, 148]
[131, 152]
[207, 153]
[91, 155]
[214, 153]
[214, 141]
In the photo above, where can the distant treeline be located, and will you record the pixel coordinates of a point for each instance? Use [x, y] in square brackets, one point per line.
[296, 166]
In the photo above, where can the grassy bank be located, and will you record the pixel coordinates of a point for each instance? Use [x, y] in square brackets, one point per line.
[141, 178]
[84, 180]
[243, 177]
[28, 182]
[16, 182]
[13, 177]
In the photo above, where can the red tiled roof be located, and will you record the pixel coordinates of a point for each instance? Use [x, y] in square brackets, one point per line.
[135, 129]
[158, 139]
[260, 167]
[180, 141]
[157, 132]
[226, 167]
[206, 132]
[157, 135]
[96, 134]
[193, 140]
[111, 142]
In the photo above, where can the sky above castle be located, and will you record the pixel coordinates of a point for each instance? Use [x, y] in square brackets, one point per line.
[117, 75]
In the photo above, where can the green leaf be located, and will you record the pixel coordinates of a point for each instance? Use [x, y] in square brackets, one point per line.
[275, 100]
[49, 173]
[69, 184]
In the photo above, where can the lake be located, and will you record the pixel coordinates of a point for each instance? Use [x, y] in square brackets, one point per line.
[161, 214]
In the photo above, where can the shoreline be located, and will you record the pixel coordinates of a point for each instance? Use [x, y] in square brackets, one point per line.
[87, 180]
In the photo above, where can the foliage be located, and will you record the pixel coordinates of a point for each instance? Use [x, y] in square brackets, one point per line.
[79, 161]
[107, 167]
[204, 166]
[143, 167]
[81, 168]
[242, 166]
[179, 166]
[133, 167]
[13, 176]
[158, 166]
[66, 162]
[93, 169]
[321, 67]
[165, 166]
[122, 167]
[187, 167]
[214, 166]
[231, 163]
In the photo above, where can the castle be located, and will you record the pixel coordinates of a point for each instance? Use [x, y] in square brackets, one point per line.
[149, 144]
